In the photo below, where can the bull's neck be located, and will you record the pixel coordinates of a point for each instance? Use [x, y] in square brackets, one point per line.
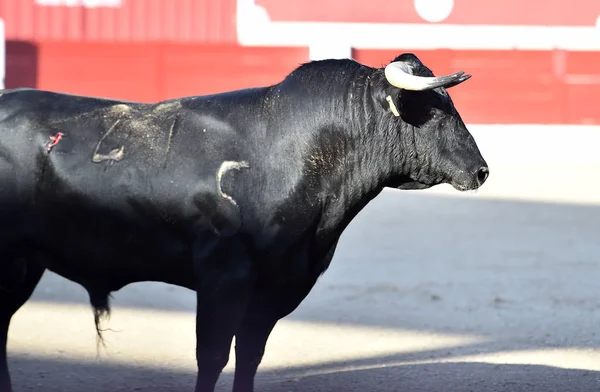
[366, 148]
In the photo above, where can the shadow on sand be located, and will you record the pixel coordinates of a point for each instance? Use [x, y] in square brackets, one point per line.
[43, 375]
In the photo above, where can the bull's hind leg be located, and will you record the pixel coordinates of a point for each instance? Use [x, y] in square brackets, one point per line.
[19, 279]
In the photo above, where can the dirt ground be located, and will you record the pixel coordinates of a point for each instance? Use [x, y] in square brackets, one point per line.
[487, 293]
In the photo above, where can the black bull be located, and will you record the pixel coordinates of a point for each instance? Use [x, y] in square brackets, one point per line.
[240, 196]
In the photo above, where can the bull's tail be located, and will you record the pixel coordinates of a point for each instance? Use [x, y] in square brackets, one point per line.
[101, 308]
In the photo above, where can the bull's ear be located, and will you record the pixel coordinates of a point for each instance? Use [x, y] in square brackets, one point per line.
[389, 98]
[392, 105]
[411, 106]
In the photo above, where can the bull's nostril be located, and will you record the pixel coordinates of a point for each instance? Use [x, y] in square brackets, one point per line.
[482, 175]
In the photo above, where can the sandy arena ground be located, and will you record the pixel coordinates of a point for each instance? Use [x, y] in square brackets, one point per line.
[430, 291]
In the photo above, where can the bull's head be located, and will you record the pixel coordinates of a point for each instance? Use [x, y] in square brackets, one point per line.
[440, 148]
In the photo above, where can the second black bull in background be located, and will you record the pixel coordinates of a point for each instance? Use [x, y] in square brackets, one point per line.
[241, 196]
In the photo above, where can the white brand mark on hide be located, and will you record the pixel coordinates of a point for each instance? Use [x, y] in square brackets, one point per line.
[224, 168]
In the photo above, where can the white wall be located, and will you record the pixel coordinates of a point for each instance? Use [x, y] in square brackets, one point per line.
[538, 162]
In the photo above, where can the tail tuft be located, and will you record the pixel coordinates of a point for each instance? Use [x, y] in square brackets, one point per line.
[101, 307]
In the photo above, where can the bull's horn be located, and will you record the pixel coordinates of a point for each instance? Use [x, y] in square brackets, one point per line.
[399, 75]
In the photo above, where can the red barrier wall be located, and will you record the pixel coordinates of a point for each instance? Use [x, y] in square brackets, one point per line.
[145, 72]
[539, 87]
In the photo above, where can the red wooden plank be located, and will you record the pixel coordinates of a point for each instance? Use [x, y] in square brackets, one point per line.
[106, 70]
[146, 72]
[191, 70]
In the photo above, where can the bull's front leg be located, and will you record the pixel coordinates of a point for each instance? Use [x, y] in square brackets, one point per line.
[250, 342]
[224, 282]
[265, 309]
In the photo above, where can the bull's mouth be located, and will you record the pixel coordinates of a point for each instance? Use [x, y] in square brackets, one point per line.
[471, 184]
[464, 187]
